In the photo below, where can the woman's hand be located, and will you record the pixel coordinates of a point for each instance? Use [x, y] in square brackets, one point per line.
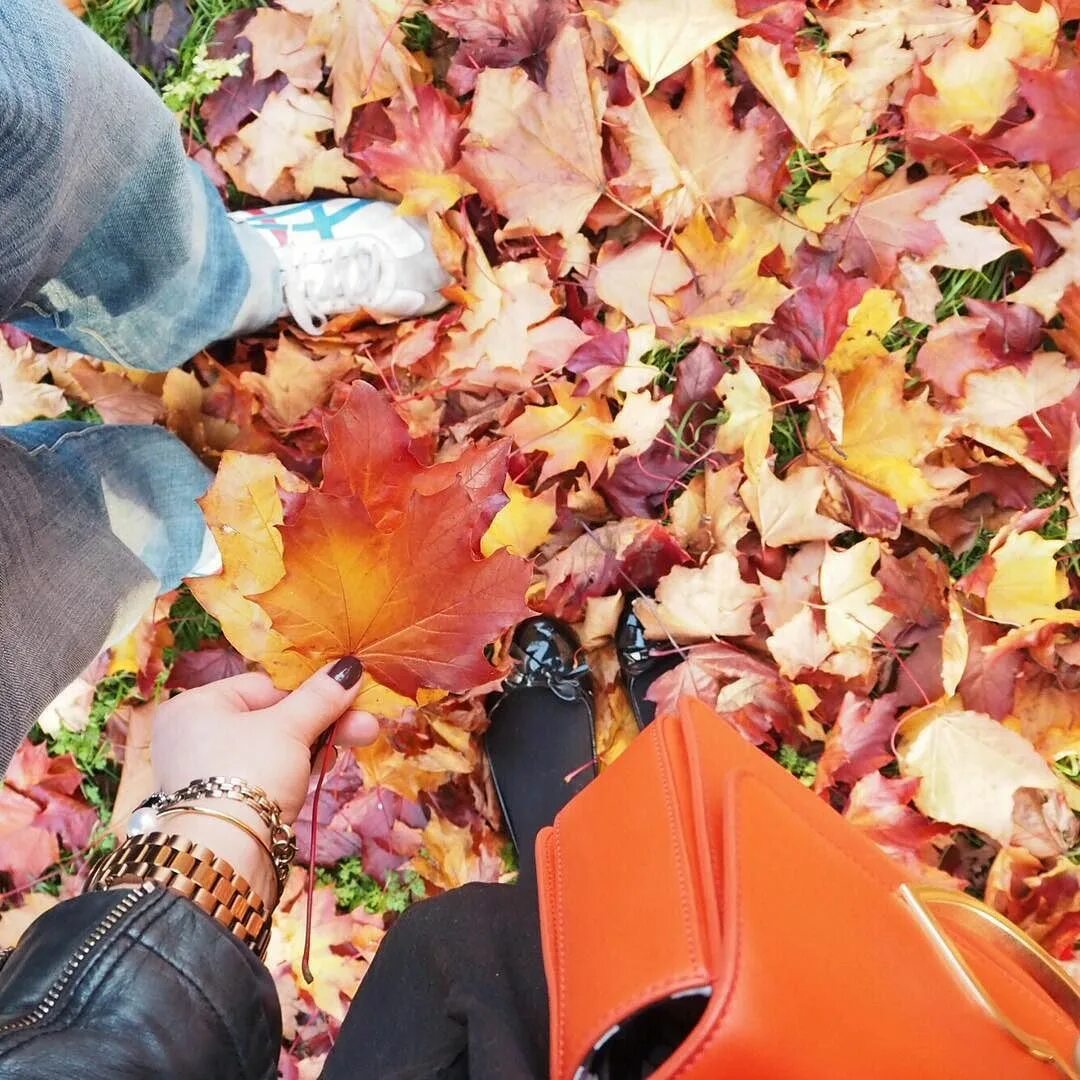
[247, 728]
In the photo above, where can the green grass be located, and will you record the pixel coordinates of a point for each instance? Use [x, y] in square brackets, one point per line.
[508, 854]
[420, 32]
[92, 752]
[85, 414]
[803, 768]
[89, 747]
[1057, 526]
[678, 433]
[353, 888]
[192, 77]
[725, 55]
[789, 434]
[1069, 767]
[805, 169]
[966, 561]
[109, 20]
[191, 624]
[991, 282]
[813, 34]
[895, 157]
[665, 358]
[183, 94]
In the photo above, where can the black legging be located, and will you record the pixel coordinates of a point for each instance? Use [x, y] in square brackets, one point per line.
[456, 990]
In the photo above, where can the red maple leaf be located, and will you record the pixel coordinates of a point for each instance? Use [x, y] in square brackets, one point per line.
[1051, 134]
[499, 34]
[859, 742]
[202, 666]
[38, 806]
[881, 808]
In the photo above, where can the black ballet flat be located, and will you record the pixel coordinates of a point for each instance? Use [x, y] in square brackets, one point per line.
[639, 667]
[541, 742]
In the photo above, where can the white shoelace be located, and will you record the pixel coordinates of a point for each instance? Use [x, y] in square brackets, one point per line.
[336, 276]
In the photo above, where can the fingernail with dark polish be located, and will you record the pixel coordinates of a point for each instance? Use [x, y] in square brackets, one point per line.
[346, 672]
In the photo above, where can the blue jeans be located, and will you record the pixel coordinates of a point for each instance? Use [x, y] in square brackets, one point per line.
[112, 243]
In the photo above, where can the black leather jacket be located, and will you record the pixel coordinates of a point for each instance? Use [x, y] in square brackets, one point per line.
[135, 983]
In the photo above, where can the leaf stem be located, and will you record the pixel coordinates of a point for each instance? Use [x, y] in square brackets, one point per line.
[305, 963]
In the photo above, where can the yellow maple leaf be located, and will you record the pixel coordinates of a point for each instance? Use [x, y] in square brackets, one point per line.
[1001, 397]
[1028, 583]
[749, 416]
[1045, 289]
[15, 921]
[523, 524]
[295, 381]
[365, 53]
[852, 174]
[573, 431]
[1047, 715]
[970, 767]
[638, 281]
[640, 421]
[451, 857]
[336, 976]
[954, 647]
[671, 166]
[660, 39]
[848, 590]
[728, 292]
[383, 766]
[868, 322]
[697, 603]
[510, 332]
[975, 86]
[616, 727]
[283, 136]
[326, 170]
[807, 699]
[786, 511]
[966, 246]
[243, 510]
[885, 437]
[387, 704]
[814, 102]
[279, 42]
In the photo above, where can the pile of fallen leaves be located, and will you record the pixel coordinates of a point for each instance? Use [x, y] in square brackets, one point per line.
[764, 321]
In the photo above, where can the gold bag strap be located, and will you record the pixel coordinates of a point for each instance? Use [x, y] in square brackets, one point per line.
[1027, 954]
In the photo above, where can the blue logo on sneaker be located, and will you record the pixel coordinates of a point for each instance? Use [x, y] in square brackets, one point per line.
[308, 217]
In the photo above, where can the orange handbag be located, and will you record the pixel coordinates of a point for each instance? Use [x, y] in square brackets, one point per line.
[698, 864]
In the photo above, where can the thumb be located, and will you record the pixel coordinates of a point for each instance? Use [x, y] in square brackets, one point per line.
[317, 703]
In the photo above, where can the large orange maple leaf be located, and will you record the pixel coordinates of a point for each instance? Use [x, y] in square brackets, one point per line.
[381, 563]
[412, 602]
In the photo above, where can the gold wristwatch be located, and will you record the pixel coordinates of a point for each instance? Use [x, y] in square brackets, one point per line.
[192, 871]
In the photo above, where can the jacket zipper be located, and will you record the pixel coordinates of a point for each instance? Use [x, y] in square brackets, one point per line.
[93, 939]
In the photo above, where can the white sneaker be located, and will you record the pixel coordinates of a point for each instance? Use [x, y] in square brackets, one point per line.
[340, 255]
